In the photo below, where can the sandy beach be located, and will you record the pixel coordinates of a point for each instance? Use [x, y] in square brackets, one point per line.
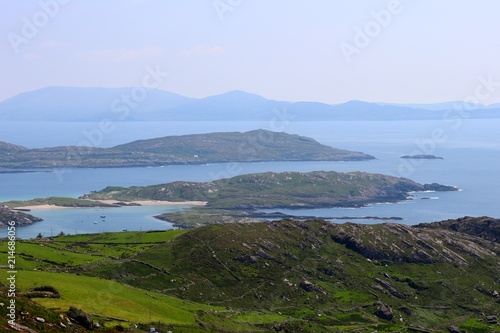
[157, 202]
[40, 207]
[110, 202]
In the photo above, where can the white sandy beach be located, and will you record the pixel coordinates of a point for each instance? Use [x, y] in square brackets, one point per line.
[40, 207]
[157, 202]
[109, 202]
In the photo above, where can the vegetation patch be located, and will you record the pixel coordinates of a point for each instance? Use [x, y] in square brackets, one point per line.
[43, 291]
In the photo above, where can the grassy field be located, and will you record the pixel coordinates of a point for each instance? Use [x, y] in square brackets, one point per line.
[110, 299]
[41, 262]
[31, 255]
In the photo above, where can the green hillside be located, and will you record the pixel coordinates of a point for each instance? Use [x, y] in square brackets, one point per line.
[286, 276]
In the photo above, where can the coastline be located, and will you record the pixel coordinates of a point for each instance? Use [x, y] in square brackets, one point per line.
[156, 202]
[47, 206]
[110, 202]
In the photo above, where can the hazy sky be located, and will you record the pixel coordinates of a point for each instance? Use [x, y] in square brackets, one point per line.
[331, 51]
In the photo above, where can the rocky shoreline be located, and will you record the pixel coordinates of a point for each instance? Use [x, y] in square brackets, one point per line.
[20, 218]
[422, 157]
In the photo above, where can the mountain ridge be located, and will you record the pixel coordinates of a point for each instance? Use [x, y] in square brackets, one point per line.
[138, 104]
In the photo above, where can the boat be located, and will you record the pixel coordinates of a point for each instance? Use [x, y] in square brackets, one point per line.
[95, 222]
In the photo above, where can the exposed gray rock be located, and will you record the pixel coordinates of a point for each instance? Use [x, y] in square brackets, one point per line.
[310, 287]
[384, 311]
[390, 288]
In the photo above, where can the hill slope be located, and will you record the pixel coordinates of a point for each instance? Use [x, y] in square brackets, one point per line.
[327, 277]
[283, 276]
[253, 146]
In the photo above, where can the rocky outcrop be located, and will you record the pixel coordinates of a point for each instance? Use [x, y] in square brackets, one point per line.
[400, 243]
[384, 311]
[19, 218]
[485, 227]
[80, 317]
[310, 287]
[389, 287]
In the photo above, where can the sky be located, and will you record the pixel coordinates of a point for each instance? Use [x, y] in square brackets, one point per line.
[330, 51]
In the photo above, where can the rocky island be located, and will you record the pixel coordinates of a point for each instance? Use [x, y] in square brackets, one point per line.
[241, 197]
[252, 146]
[422, 157]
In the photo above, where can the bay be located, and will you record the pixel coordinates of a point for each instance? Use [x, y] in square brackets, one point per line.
[96, 220]
[471, 153]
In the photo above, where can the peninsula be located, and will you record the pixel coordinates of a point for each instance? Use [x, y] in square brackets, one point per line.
[19, 218]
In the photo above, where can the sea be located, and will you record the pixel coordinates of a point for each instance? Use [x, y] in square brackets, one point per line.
[470, 149]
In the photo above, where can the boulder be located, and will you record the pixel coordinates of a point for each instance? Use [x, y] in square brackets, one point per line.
[310, 287]
[80, 317]
[384, 311]
[407, 311]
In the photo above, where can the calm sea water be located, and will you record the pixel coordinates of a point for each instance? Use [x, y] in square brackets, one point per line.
[471, 152]
[92, 220]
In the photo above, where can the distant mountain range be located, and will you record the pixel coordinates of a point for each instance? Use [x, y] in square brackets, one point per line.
[137, 104]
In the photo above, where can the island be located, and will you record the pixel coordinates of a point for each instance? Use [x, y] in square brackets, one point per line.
[252, 146]
[242, 197]
[422, 157]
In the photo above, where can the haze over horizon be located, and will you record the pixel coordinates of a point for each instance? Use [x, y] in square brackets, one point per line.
[326, 51]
